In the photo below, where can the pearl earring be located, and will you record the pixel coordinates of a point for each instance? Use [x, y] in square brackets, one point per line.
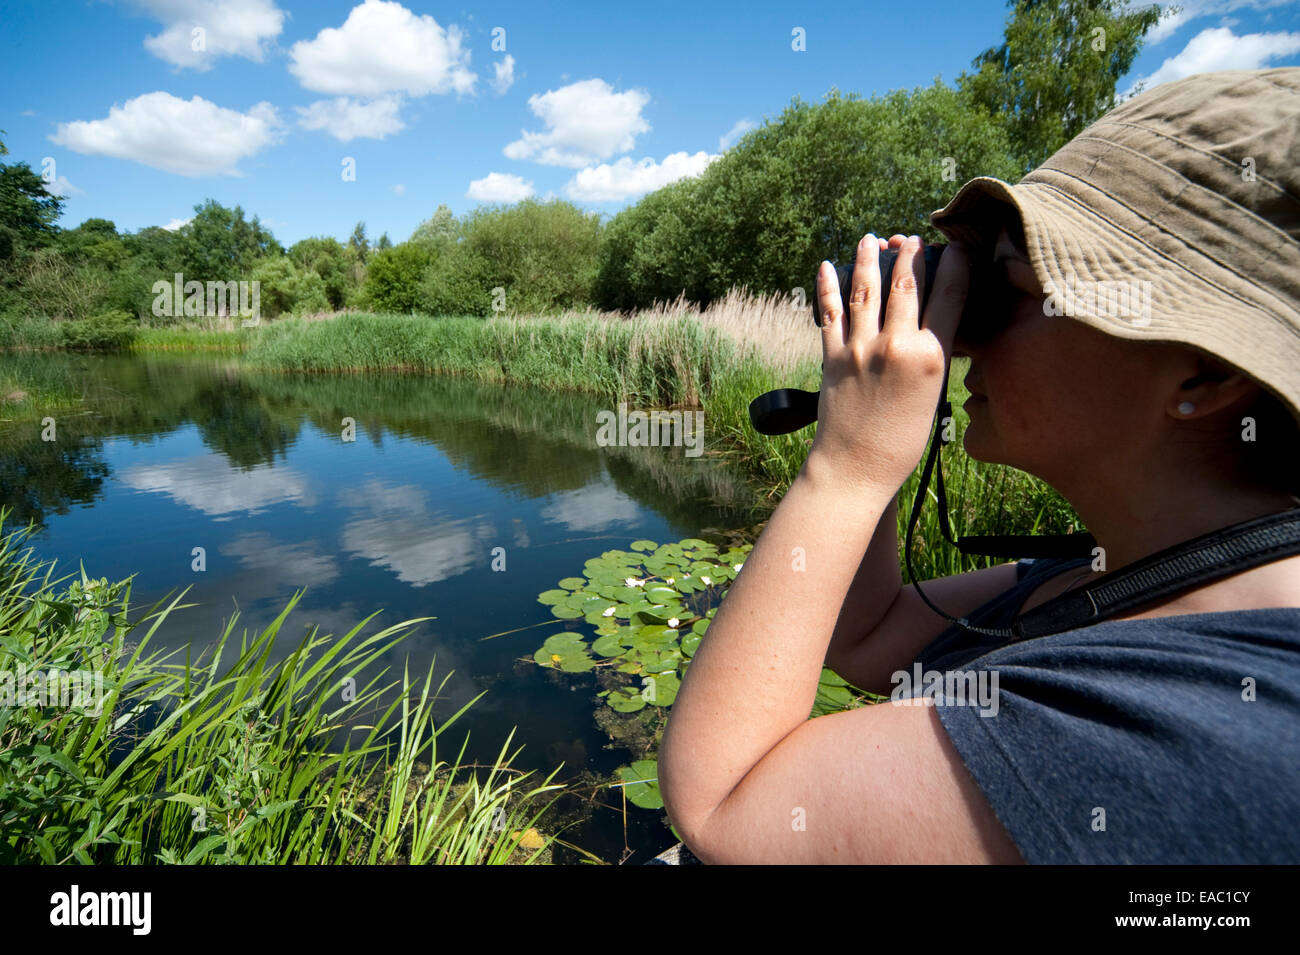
[1186, 407]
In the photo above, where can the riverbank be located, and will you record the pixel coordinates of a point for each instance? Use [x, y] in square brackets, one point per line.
[672, 357]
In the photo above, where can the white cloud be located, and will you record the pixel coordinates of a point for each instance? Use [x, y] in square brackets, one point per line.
[61, 187]
[28, 112]
[177, 223]
[230, 28]
[586, 121]
[1195, 10]
[735, 132]
[190, 137]
[500, 187]
[505, 74]
[346, 119]
[1218, 48]
[210, 484]
[591, 508]
[384, 48]
[627, 177]
[393, 528]
[400, 188]
[301, 564]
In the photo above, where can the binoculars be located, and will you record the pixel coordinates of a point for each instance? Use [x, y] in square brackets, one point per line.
[789, 409]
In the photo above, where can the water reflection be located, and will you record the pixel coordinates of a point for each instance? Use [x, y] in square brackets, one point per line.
[169, 455]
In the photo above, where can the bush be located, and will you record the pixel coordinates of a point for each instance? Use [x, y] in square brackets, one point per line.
[459, 282]
[542, 255]
[393, 278]
[284, 288]
[109, 331]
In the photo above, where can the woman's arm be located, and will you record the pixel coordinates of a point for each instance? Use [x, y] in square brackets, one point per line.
[754, 676]
[874, 588]
[741, 713]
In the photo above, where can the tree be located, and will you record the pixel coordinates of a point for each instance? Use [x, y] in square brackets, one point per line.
[358, 245]
[393, 278]
[27, 212]
[327, 258]
[384, 243]
[284, 288]
[543, 255]
[797, 190]
[219, 245]
[1056, 70]
[437, 230]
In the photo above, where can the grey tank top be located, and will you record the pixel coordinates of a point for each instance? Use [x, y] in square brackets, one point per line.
[1173, 740]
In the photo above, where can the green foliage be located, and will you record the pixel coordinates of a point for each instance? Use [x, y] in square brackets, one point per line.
[219, 245]
[54, 286]
[1056, 70]
[459, 282]
[393, 278]
[640, 782]
[287, 289]
[328, 259]
[650, 607]
[358, 244]
[647, 606]
[27, 211]
[438, 230]
[110, 331]
[157, 761]
[541, 254]
[798, 190]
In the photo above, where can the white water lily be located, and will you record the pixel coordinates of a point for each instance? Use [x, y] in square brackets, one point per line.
[737, 567]
[633, 582]
[671, 580]
[673, 622]
[609, 612]
[705, 581]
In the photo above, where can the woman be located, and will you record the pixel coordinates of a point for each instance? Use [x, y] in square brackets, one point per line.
[1167, 734]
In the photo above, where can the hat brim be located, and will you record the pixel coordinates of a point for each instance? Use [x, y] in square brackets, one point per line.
[1095, 269]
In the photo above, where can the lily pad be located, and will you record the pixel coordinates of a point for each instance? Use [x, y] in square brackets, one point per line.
[565, 651]
[607, 646]
[660, 689]
[641, 783]
[625, 699]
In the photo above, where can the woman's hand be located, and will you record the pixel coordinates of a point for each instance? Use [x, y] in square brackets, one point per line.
[881, 380]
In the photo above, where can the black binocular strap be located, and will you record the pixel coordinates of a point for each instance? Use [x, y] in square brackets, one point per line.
[1211, 556]
[1219, 553]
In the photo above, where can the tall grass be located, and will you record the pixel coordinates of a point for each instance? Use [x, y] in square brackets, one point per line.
[671, 356]
[676, 355]
[192, 762]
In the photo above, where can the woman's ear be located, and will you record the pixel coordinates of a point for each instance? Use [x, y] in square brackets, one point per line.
[1213, 387]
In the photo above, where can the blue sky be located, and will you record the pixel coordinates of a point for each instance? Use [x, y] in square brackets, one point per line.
[595, 103]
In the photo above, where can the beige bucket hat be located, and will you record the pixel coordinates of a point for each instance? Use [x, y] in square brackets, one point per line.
[1174, 217]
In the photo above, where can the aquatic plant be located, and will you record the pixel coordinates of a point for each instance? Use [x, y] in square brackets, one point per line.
[650, 606]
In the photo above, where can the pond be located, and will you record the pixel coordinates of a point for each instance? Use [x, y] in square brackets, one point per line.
[374, 492]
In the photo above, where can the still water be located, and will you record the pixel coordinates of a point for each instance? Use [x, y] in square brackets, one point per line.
[169, 455]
